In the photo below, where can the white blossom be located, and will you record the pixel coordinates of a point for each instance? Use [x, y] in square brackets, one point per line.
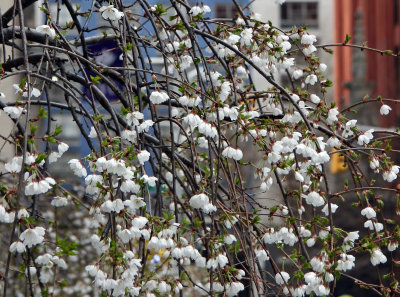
[385, 109]
[314, 199]
[77, 168]
[17, 246]
[377, 257]
[32, 236]
[157, 97]
[59, 201]
[143, 156]
[332, 115]
[14, 166]
[365, 137]
[46, 30]
[14, 111]
[311, 79]
[281, 278]
[308, 39]
[230, 152]
[391, 174]
[325, 209]
[368, 212]
[111, 13]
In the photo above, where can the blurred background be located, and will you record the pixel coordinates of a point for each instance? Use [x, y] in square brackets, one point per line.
[355, 73]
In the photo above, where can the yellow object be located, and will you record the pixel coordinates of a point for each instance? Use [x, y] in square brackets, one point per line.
[338, 163]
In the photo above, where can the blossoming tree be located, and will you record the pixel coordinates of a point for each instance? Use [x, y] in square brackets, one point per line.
[164, 203]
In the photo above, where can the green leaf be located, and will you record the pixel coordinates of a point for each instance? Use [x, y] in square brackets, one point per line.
[40, 158]
[42, 113]
[348, 38]
[58, 130]
[33, 128]
[95, 79]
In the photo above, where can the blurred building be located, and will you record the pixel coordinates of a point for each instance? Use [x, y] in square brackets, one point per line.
[316, 14]
[32, 19]
[377, 23]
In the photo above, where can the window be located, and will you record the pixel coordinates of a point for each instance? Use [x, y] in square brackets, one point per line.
[226, 11]
[299, 14]
[396, 74]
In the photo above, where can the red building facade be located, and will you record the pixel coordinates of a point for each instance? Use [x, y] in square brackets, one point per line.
[381, 27]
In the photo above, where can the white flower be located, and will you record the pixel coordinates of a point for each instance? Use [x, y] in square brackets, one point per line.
[368, 212]
[377, 257]
[229, 239]
[349, 240]
[392, 246]
[247, 35]
[62, 147]
[239, 21]
[143, 157]
[308, 50]
[373, 226]
[333, 141]
[325, 209]
[41, 187]
[365, 137]
[129, 135]
[315, 99]
[199, 200]
[59, 201]
[345, 262]
[129, 186]
[282, 278]
[107, 206]
[186, 61]
[314, 199]
[133, 118]
[196, 10]
[34, 92]
[111, 13]
[22, 213]
[298, 176]
[310, 242]
[385, 109]
[14, 166]
[17, 246]
[374, 164]
[32, 236]
[158, 97]
[308, 39]
[311, 79]
[46, 30]
[93, 133]
[139, 222]
[322, 67]
[14, 112]
[332, 115]
[134, 203]
[150, 180]
[297, 73]
[391, 174]
[230, 152]
[77, 168]
[206, 9]
[233, 288]
[189, 101]
[261, 255]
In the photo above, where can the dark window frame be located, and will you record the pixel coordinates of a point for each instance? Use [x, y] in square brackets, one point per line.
[299, 13]
[225, 11]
